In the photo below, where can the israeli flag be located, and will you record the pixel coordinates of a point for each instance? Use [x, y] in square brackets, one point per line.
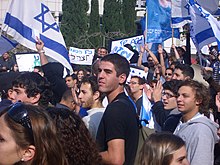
[180, 14]
[146, 113]
[27, 19]
[6, 44]
[205, 28]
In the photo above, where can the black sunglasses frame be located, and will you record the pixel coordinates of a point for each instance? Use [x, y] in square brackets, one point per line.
[19, 114]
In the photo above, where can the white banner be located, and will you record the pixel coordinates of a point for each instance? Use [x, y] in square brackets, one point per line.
[137, 72]
[123, 51]
[27, 62]
[135, 42]
[81, 56]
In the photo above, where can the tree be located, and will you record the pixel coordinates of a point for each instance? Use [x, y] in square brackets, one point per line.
[74, 20]
[94, 23]
[129, 15]
[112, 16]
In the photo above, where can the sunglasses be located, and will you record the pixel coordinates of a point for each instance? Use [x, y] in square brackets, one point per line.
[168, 74]
[19, 114]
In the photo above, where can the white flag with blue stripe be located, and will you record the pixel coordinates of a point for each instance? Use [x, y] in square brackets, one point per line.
[205, 29]
[180, 14]
[26, 19]
[146, 113]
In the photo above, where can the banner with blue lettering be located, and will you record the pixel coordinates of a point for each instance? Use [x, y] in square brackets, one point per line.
[135, 42]
[81, 56]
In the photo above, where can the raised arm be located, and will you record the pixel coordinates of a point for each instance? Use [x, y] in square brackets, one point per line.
[176, 52]
[162, 63]
[139, 63]
[40, 49]
[151, 54]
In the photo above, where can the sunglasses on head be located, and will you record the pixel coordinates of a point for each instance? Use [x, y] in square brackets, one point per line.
[19, 114]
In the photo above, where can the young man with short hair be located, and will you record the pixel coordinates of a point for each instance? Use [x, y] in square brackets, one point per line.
[199, 132]
[118, 130]
[71, 80]
[183, 72]
[165, 105]
[91, 98]
[136, 85]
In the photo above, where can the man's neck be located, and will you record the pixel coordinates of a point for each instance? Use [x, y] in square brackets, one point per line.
[137, 95]
[112, 95]
[189, 115]
[97, 104]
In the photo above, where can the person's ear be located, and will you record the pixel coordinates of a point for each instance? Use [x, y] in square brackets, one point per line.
[198, 102]
[35, 99]
[10, 94]
[122, 78]
[96, 95]
[28, 154]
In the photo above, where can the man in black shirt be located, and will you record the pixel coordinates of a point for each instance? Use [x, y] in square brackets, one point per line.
[118, 131]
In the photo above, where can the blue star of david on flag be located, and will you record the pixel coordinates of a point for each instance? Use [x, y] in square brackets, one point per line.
[41, 18]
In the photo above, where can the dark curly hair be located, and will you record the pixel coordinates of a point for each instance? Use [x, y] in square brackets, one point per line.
[79, 147]
[34, 84]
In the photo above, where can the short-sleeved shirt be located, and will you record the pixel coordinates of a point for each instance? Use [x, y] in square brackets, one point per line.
[119, 121]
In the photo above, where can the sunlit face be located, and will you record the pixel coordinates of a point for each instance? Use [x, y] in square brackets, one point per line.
[80, 75]
[169, 100]
[70, 82]
[86, 95]
[108, 80]
[179, 157]
[5, 56]
[178, 75]
[103, 52]
[10, 152]
[168, 75]
[186, 101]
[135, 86]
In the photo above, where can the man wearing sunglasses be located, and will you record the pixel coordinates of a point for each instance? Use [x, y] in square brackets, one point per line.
[165, 107]
[168, 74]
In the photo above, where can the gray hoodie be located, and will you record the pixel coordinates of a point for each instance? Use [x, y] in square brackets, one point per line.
[200, 136]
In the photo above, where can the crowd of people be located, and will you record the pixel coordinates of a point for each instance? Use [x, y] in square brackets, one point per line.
[92, 116]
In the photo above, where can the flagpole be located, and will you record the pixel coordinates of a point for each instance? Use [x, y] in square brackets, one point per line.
[200, 58]
[145, 35]
[172, 36]
[171, 24]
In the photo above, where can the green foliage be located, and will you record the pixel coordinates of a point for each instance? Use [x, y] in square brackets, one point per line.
[74, 20]
[129, 15]
[112, 17]
[94, 24]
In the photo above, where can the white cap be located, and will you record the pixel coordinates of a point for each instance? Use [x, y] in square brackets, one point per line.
[205, 50]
